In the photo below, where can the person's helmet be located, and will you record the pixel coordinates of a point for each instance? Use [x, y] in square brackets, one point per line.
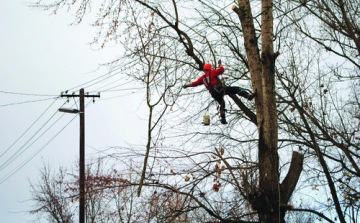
[207, 66]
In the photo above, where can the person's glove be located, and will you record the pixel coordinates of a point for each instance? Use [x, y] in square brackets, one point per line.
[186, 86]
[219, 62]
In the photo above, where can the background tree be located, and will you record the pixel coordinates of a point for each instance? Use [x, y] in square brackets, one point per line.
[326, 109]
[50, 197]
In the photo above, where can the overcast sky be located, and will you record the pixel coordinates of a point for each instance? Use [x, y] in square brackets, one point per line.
[42, 54]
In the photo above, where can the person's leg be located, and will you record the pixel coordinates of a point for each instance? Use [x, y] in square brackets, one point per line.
[232, 90]
[219, 97]
[239, 91]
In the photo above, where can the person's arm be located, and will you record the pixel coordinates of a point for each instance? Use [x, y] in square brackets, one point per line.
[220, 70]
[195, 83]
[186, 86]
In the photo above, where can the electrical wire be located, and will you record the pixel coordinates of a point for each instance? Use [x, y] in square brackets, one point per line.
[104, 77]
[12, 173]
[18, 93]
[99, 89]
[29, 128]
[24, 102]
[22, 149]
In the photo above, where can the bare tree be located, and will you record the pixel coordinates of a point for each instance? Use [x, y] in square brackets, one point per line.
[108, 195]
[51, 198]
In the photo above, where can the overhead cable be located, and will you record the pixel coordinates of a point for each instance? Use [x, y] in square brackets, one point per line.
[24, 102]
[29, 128]
[27, 94]
[22, 149]
[12, 173]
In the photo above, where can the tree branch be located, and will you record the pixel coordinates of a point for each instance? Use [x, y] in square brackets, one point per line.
[288, 185]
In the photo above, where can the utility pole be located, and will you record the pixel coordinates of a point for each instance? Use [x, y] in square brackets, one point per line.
[82, 97]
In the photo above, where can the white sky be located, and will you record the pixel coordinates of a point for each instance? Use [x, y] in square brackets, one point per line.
[42, 54]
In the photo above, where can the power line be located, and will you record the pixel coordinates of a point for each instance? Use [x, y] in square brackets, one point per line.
[21, 150]
[99, 89]
[37, 152]
[34, 154]
[27, 94]
[103, 80]
[104, 76]
[110, 89]
[29, 128]
[24, 102]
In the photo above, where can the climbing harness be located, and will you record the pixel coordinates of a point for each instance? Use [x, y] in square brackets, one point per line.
[219, 88]
[209, 86]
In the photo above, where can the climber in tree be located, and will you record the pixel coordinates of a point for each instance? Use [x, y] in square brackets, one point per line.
[216, 89]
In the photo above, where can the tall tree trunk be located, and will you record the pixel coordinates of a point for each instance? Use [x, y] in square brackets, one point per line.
[268, 125]
[266, 200]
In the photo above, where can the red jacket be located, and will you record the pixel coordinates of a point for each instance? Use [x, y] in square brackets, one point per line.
[214, 79]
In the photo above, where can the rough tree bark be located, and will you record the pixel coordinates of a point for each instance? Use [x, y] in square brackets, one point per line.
[266, 201]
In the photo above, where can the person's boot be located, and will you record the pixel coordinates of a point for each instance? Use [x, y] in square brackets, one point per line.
[247, 95]
[223, 119]
[250, 96]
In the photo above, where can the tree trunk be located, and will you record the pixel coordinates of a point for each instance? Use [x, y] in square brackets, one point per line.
[268, 125]
[266, 200]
